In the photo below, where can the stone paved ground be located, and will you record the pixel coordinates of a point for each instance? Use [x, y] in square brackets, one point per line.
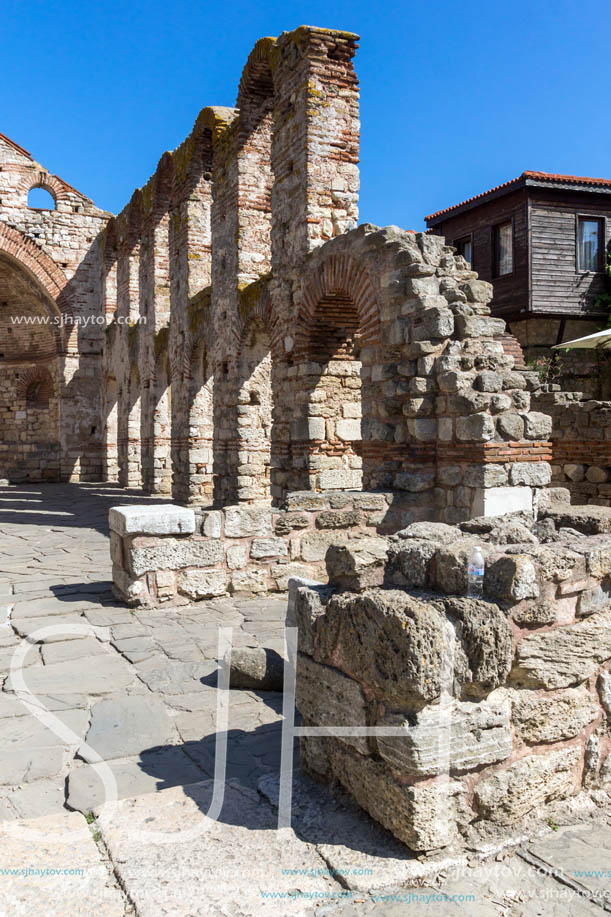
[140, 690]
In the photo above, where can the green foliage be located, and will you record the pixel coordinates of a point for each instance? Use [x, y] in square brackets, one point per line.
[548, 368]
[603, 300]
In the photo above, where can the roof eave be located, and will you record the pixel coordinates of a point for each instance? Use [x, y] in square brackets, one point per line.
[435, 220]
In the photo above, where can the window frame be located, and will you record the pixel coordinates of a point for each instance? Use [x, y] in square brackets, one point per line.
[495, 273]
[602, 237]
[468, 237]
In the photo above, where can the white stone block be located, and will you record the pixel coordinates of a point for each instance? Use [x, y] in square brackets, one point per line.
[497, 501]
[348, 430]
[162, 519]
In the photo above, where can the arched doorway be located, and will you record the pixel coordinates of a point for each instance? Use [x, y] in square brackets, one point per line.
[30, 377]
[200, 410]
[334, 395]
[254, 416]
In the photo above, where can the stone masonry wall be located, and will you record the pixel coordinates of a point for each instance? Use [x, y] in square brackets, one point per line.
[172, 554]
[49, 279]
[281, 348]
[523, 718]
[581, 444]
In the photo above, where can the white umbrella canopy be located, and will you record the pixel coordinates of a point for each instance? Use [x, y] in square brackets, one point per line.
[600, 340]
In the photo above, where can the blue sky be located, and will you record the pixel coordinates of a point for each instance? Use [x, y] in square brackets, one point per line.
[456, 97]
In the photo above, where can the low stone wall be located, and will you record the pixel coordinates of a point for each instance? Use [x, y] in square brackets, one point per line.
[524, 716]
[173, 554]
[581, 444]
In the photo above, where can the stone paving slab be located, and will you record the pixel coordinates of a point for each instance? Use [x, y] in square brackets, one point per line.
[144, 773]
[236, 861]
[129, 725]
[90, 891]
[581, 855]
[88, 675]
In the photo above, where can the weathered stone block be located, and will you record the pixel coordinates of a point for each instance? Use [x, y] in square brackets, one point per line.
[281, 573]
[536, 474]
[537, 426]
[249, 580]
[237, 556]
[348, 430]
[212, 521]
[423, 817]
[509, 795]
[173, 554]
[392, 640]
[289, 522]
[565, 656]
[437, 532]
[511, 578]
[470, 326]
[310, 605]
[243, 521]
[268, 547]
[479, 734]
[358, 564]
[314, 545]
[594, 599]
[483, 649]
[327, 697]
[409, 562]
[338, 520]
[589, 520]
[203, 584]
[415, 481]
[476, 427]
[552, 718]
[160, 519]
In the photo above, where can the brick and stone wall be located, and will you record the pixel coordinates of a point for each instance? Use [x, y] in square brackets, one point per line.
[51, 361]
[502, 704]
[284, 348]
[581, 444]
[172, 554]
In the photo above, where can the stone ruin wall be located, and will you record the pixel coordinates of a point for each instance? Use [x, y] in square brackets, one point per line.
[581, 444]
[49, 392]
[523, 718]
[284, 350]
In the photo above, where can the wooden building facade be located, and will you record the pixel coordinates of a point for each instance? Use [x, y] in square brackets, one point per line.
[543, 241]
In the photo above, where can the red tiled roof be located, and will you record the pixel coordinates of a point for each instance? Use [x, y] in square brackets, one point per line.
[15, 146]
[537, 176]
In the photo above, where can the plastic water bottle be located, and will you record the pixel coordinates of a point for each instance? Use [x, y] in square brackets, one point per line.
[475, 574]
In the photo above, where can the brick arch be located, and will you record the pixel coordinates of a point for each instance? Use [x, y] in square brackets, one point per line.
[257, 80]
[51, 183]
[343, 278]
[38, 375]
[262, 315]
[18, 248]
[214, 118]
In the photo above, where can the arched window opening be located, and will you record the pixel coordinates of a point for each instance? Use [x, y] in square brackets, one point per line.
[40, 199]
[333, 395]
[38, 393]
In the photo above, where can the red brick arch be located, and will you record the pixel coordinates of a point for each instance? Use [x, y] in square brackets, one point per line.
[38, 374]
[18, 248]
[58, 190]
[339, 274]
[257, 73]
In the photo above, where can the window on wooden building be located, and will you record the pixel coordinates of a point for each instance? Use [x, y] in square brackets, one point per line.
[464, 247]
[590, 244]
[503, 249]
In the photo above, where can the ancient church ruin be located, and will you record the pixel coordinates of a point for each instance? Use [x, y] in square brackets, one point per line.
[302, 386]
